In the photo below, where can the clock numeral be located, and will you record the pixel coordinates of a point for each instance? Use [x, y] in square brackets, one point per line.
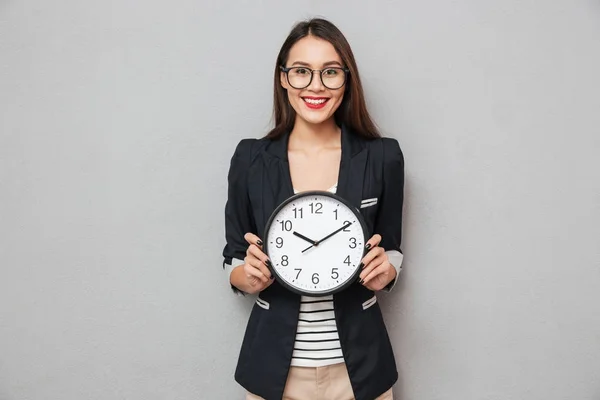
[348, 228]
[284, 261]
[352, 244]
[297, 211]
[347, 260]
[279, 242]
[315, 208]
[298, 274]
[286, 225]
[335, 212]
[315, 278]
[334, 273]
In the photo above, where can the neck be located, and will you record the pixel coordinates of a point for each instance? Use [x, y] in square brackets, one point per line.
[314, 135]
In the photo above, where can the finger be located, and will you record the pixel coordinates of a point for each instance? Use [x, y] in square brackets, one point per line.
[252, 280]
[382, 269]
[257, 253]
[260, 285]
[269, 283]
[374, 241]
[257, 258]
[262, 266]
[265, 268]
[253, 269]
[372, 255]
[374, 285]
[370, 267]
[251, 238]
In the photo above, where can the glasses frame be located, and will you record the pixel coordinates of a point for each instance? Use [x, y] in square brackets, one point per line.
[286, 70]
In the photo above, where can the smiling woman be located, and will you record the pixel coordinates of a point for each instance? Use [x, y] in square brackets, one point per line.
[335, 346]
[321, 48]
[305, 93]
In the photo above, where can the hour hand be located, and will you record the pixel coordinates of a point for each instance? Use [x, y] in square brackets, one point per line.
[304, 238]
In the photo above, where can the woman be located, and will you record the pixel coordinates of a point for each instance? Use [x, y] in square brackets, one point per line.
[297, 347]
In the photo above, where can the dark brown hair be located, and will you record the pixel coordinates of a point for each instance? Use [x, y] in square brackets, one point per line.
[353, 110]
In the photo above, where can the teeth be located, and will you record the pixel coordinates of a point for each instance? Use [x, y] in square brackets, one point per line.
[311, 101]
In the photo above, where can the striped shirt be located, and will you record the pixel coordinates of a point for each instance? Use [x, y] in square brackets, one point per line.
[317, 342]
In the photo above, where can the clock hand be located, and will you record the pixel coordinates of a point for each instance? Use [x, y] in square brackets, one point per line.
[328, 236]
[333, 233]
[305, 238]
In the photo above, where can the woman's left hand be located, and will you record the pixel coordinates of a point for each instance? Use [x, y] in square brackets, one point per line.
[377, 271]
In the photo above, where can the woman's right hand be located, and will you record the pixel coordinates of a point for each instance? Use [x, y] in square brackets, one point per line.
[256, 270]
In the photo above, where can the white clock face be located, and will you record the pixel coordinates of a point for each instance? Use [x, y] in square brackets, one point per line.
[337, 232]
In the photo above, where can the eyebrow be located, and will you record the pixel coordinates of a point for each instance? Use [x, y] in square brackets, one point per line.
[327, 64]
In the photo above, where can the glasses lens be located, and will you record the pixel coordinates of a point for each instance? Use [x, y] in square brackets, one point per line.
[299, 77]
[333, 78]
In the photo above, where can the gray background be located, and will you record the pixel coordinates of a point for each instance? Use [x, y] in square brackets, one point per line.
[117, 123]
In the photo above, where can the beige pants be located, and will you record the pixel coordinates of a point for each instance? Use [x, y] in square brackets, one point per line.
[322, 383]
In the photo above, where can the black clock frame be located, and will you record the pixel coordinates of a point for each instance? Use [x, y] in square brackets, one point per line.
[310, 193]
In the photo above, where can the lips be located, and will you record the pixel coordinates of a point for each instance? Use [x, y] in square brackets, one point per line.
[315, 103]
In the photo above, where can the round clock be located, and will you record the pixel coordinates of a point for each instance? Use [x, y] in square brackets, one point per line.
[315, 241]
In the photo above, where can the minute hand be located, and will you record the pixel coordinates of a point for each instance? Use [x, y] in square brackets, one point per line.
[318, 242]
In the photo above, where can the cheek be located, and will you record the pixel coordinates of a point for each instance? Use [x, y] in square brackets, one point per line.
[338, 101]
[294, 98]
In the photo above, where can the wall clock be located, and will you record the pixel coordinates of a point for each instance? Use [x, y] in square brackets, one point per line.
[315, 241]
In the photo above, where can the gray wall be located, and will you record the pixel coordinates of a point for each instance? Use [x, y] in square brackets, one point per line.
[117, 122]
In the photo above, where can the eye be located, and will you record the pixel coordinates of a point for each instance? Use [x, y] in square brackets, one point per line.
[330, 72]
[302, 71]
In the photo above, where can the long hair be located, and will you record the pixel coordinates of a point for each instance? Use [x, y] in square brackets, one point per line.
[352, 112]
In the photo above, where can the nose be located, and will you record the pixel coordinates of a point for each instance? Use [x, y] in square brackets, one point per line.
[316, 85]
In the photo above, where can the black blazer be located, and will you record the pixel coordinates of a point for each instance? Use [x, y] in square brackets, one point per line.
[259, 180]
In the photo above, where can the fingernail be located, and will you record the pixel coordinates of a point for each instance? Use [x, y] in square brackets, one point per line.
[272, 277]
[368, 246]
[268, 263]
[259, 242]
[361, 281]
[361, 265]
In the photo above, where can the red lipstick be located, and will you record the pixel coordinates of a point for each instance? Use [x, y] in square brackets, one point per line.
[315, 103]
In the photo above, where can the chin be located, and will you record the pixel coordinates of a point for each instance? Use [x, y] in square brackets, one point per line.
[314, 119]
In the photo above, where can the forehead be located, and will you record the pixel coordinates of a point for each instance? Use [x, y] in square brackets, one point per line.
[313, 51]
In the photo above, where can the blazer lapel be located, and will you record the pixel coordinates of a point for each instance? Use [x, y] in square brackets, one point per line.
[352, 167]
[278, 184]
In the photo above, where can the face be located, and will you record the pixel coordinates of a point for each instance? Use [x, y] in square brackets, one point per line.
[316, 103]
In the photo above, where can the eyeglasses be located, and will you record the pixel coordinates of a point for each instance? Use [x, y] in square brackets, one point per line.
[301, 77]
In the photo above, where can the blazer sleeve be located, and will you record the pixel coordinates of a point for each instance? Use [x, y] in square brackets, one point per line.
[238, 212]
[389, 219]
